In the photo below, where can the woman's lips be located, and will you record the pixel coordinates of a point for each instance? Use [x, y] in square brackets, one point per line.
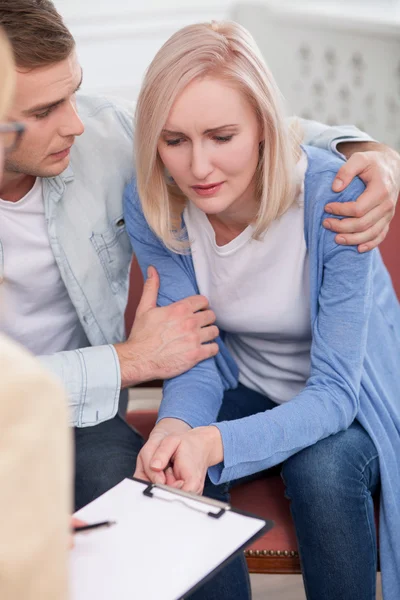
[207, 190]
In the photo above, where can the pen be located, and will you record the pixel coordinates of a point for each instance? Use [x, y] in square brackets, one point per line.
[93, 526]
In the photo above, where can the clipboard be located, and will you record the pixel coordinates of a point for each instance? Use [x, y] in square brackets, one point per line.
[165, 545]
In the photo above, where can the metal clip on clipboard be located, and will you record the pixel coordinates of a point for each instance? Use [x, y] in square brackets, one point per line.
[182, 496]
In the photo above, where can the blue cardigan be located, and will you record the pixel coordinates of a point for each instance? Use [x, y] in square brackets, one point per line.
[355, 357]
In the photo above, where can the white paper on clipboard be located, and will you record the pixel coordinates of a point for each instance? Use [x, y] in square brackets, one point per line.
[160, 548]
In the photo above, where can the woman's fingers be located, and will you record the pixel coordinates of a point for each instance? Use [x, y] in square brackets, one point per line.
[171, 479]
[164, 453]
[145, 456]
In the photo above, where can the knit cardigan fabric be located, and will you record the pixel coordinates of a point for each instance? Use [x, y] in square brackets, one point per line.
[355, 357]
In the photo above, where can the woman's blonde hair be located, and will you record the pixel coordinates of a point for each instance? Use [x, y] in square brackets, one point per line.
[7, 75]
[224, 51]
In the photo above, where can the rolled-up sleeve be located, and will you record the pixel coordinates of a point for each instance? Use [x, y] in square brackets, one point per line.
[328, 138]
[92, 379]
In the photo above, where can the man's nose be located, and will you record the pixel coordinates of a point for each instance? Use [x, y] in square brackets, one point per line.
[72, 124]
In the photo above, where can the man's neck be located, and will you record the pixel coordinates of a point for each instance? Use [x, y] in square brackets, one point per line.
[15, 186]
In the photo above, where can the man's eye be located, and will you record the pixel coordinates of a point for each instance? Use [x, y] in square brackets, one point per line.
[44, 114]
[173, 142]
[223, 138]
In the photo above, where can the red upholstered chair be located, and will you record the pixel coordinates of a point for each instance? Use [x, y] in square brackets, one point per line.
[276, 552]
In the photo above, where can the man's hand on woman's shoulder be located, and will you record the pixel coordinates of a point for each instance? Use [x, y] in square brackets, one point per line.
[379, 168]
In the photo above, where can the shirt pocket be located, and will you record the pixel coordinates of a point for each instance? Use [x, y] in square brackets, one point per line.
[114, 250]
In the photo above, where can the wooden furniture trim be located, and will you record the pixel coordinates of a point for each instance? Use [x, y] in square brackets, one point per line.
[277, 562]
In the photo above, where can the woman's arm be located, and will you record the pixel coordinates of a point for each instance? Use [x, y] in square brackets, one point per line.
[194, 397]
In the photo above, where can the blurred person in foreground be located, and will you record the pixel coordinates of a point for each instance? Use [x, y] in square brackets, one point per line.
[35, 444]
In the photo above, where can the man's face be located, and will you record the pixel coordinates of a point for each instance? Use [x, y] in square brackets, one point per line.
[45, 103]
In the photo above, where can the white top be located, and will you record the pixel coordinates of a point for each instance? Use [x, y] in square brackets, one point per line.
[259, 291]
[36, 309]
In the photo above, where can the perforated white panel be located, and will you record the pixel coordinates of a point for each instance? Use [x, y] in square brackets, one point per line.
[330, 71]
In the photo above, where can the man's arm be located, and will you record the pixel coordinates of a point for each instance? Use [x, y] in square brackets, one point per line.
[92, 380]
[328, 138]
[164, 342]
[379, 168]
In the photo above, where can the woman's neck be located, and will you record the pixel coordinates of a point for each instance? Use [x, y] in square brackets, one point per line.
[229, 224]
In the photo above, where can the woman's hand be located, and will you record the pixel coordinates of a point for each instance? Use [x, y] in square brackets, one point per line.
[163, 429]
[187, 456]
[379, 168]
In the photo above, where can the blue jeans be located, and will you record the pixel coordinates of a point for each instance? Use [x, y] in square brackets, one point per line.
[105, 454]
[330, 486]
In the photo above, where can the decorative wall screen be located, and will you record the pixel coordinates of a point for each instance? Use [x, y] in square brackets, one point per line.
[330, 70]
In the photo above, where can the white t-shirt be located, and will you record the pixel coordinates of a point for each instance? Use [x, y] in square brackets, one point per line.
[259, 291]
[35, 308]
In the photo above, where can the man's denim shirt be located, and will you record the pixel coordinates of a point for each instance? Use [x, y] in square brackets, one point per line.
[83, 208]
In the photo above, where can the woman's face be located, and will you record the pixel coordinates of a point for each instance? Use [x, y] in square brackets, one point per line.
[210, 146]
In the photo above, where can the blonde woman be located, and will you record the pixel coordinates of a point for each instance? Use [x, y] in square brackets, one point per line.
[308, 372]
[35, 446]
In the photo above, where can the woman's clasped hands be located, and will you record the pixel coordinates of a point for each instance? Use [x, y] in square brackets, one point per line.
[179, 456]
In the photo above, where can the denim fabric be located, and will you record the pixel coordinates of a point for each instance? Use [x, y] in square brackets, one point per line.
[330, 485]
[104, 455]
[87, 234]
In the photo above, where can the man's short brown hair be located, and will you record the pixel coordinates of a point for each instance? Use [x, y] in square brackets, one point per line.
[36, 31]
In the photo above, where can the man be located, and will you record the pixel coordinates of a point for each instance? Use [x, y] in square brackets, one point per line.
[35, 447]
[67, 255]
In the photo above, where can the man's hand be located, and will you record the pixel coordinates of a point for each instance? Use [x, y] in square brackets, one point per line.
[184, 458]
[379, 168]
[163, 429]
[167, 341]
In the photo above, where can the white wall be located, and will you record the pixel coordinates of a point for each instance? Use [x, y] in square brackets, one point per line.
[331, 69]
[117, 39]
[107, 7]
